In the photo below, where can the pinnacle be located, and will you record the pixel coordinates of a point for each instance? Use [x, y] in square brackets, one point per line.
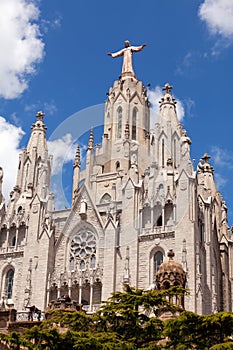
[91, 140]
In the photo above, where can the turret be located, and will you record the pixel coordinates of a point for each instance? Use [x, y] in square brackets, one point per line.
[34, 168]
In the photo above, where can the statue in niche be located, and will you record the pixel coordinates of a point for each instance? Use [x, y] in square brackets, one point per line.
[185, 146]
[224, 213]
[133, 160]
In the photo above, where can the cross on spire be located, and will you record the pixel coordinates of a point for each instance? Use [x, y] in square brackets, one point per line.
[40, 115]
[206, 158]
[167, 88]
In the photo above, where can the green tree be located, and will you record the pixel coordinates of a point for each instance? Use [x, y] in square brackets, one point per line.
[133, 313]
[191, 331]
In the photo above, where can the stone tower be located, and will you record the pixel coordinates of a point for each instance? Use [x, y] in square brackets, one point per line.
[26, 233]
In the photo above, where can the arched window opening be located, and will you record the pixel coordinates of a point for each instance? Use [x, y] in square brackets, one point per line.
[174, 151]
[119, 122]
[146, 217]
[158, 259]
[163, 153]
[3, 236]
[13, 241]
[105, 199]
[134, 123]
[166, 285]
[72, 264]
[82, 265]
[12, 235]
[20, 210]
[169, 214]
[93, 261]
[118, 166]
[161, 190]
[21, 235]
[9, 283]
[201, 230]
[157, 215]
[159, 221]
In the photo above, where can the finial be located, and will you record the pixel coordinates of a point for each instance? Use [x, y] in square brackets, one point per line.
[170, 254]
[206, 158]
[167, 87]
[91, 140]
[40, 115]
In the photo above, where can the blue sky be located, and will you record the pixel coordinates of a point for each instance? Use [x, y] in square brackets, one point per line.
[53, 57]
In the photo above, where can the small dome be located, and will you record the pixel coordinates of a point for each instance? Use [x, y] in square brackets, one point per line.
[170, 273]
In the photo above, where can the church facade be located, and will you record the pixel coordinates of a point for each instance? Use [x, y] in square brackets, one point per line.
[138, 197]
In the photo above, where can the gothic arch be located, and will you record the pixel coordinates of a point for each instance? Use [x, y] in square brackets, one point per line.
[146, 217]
[7, 282]
[155, 253]
[134, 124]
[157, 215]
[168, 214]
[119, 122]
[106, 198]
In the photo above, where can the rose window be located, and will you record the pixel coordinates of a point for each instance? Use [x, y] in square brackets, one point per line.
[83, 246]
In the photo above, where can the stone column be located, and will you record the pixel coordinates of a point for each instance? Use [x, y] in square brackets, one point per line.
[91, 293]
[80, 291]
[69, 287]
[163, 217]
[7, 238]
[16, 237]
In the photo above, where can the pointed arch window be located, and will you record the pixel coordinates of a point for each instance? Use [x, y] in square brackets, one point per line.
[119, 122]
[163, 153]
[158, 259]
[93, 261]
[9, 283]
[174, 145]
[106, 198]
[134, 123]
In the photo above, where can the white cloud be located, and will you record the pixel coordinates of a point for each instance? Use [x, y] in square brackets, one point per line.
[154, 96]
[10, 136]
[221, 181]
[48, 107]
[222, 160]
[221, 157]
[218, 15]
[21, 45]
[63, 151]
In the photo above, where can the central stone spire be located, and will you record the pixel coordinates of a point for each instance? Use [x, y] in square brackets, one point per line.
[127, 52]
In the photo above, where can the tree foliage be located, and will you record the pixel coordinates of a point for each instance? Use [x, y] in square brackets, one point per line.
[129, 320]
[192, 331]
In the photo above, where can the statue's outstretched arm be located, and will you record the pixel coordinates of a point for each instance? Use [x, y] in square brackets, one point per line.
[116, 54]
[138, 48]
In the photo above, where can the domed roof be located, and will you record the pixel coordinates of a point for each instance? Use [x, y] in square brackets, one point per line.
[170, 273]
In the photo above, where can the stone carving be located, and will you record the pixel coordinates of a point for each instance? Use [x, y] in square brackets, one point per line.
[186, 142]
